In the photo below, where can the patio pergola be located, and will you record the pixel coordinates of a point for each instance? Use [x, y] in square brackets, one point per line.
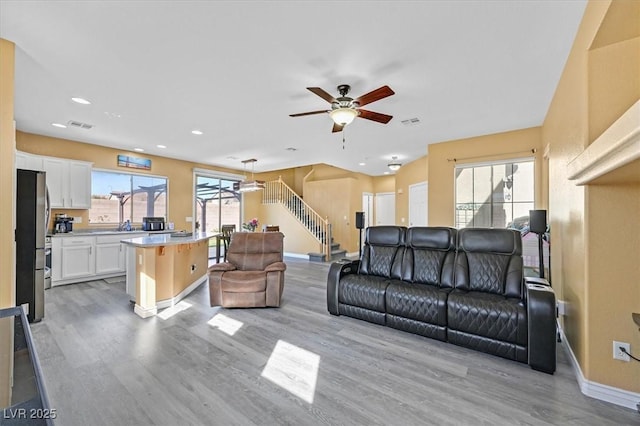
[206, 192]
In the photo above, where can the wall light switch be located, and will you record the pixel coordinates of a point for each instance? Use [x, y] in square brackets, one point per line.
[77, 219]
[189, 219]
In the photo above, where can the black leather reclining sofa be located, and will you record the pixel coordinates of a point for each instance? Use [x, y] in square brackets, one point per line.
[466, 287]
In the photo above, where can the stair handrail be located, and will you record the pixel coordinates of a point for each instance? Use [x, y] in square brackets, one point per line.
[278, 192]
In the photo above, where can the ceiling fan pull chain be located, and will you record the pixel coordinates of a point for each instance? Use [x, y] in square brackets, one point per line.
[343, 138]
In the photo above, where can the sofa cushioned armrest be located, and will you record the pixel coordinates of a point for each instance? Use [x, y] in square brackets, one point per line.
[276, 266]
[337, 271]
[536, 280]
[225, 266]
[541, 307]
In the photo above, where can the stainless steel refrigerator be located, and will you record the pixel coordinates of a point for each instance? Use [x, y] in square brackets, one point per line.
[31, 229]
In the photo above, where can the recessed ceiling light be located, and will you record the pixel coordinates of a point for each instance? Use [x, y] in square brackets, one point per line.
[62, 126]
[362, 164]
[292, 149]
[138, 149]
[82, 101]
[196, 132]
[386, 173]
[161, 146]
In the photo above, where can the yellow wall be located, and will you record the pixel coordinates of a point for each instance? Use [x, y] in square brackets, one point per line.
[7, 174]
[384, 184]
[180, 173]
[409, 174]
[501, 146]
[297, 239]
[595, 234]
[7, 184]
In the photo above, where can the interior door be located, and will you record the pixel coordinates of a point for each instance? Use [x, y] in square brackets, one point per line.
[385, 208]
[418, 204]
[367, 208]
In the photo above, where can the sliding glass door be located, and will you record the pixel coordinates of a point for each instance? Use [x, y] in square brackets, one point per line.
[216, 202]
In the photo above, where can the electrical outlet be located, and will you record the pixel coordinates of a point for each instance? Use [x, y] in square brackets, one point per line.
[562, 308]
[618, 354]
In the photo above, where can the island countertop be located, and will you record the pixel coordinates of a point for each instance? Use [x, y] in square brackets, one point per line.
[167, 239]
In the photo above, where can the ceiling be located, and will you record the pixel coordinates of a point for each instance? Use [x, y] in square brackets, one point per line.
[156, 70]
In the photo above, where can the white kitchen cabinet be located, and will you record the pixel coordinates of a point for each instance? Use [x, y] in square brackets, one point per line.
[56, 180]
[109, 254]
[79, 184]
[69, 182]
[84, 257]
[78, 257]
[27, 161]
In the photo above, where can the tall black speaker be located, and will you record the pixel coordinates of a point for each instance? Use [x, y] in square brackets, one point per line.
[538, 221]
[360, 220]
[538, 225]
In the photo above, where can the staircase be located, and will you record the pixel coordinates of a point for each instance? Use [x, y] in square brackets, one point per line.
[278, 192]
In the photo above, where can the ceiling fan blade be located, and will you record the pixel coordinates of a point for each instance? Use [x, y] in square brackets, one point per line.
[375, 116]
[375, 95]
[308, 113]
[337, 127]
[324, 95]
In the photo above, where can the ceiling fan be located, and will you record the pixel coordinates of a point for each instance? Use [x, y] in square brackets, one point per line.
[345, 109]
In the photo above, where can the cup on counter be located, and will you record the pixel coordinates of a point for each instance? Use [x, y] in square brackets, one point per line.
[170, 226]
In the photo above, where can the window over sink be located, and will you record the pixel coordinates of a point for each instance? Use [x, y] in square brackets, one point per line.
[117, 197]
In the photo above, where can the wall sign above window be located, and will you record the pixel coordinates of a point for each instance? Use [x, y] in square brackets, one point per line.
[134, 162]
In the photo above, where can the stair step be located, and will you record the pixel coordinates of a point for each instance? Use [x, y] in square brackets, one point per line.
[316, 257]
[338, 254]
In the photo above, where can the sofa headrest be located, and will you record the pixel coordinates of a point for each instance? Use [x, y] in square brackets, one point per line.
[256, 242]
[435, 238]
[485, 240]
[386, 235]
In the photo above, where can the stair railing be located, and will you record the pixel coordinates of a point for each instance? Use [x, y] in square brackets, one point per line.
[278, 192]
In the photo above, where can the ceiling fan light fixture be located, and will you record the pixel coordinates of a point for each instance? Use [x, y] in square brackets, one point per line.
[343, 116]
[394, 165]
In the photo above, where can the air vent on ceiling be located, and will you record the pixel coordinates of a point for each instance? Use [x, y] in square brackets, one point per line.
[80, 125]
[411, 121]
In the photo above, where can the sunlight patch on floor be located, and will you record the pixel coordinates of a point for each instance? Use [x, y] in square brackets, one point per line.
[225, 324]
[172, 310]
[294, 369]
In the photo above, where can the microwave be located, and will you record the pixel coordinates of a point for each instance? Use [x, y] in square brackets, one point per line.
[153, 223]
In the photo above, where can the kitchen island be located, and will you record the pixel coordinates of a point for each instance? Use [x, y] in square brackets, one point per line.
[163, 269]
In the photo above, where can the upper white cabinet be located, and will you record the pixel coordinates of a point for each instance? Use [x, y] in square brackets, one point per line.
[28, 161]
[56, 180]
[79, 184]
[69, 183]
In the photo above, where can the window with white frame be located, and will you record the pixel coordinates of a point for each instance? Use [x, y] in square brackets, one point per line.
[494, 195]
[117, 197]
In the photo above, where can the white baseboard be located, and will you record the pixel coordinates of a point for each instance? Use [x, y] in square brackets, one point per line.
[296, 255]
[162, 304]
[145, 313]
[597, 390]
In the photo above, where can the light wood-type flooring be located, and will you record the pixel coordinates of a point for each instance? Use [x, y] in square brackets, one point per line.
[296, 365]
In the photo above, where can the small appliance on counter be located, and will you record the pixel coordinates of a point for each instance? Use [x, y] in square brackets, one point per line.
[153, 223]
[63, 224]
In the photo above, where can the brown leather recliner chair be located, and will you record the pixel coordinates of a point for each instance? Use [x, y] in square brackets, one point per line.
[253, 274]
